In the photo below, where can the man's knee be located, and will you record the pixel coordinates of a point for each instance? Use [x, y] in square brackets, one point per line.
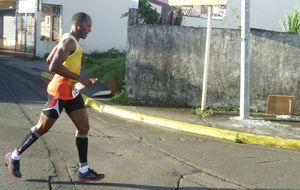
[40, 129]
[43, 125]
[35, 130]
[82, 131]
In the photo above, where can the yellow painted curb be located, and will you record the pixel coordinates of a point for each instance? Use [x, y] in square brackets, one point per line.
[47, 75]
[193, 128]
[188, 127]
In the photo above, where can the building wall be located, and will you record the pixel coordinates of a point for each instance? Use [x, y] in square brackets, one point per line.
[265, 14]
[109, 29]
[7, 29]
[165, 65]
[43, 47]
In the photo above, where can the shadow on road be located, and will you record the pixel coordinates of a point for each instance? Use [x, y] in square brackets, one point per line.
[120, 185]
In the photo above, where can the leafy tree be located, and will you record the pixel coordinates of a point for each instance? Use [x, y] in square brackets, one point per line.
[146, 13]
[292, 22]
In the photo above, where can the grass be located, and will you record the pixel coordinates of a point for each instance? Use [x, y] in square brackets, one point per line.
[106, 65]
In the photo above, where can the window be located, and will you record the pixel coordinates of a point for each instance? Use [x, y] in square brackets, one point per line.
[51, 25]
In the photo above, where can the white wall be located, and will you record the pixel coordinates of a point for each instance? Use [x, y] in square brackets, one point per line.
[9, 33]
[44, 47]
[265, 14]
[109, 30]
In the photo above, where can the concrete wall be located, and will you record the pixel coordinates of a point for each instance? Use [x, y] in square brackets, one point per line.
[165, 65]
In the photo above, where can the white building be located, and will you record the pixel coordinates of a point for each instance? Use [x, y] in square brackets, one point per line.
[40, 23]
[109, 28]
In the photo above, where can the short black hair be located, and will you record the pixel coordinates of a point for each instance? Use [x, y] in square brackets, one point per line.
[80, 17]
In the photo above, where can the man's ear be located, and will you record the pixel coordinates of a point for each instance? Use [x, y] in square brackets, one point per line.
[77, 24]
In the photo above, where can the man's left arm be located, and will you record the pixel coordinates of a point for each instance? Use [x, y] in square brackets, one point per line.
[50, 56]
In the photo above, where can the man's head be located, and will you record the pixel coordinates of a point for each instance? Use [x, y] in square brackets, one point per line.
[81, 24]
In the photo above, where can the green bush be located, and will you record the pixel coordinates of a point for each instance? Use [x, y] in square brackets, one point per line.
[146, 13]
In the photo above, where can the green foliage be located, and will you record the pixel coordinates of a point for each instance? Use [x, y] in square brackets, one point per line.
[292, 22]
[106, 65]
[221, 109]
[146, 13]
[196, 110]
[205, 113]
[121, 98]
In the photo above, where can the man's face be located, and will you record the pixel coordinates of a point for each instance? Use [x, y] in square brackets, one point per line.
[84, 28]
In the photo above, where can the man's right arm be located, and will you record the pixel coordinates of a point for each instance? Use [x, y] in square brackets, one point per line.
[50, 56]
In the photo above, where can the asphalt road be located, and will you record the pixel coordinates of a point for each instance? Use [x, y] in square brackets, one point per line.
[132, 155]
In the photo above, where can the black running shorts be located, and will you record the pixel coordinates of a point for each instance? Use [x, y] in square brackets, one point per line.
[54, 106]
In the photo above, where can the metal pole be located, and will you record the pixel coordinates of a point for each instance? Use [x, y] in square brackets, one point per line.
[206, 61]
[35, 27]
[245, 60]
[25, 31]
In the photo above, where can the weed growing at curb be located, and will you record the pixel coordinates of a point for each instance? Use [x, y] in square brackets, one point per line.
[238, 139]
[121, 98]
[221, 109]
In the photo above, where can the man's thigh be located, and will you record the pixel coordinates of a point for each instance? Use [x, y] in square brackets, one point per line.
[77, 112]
[80, 119]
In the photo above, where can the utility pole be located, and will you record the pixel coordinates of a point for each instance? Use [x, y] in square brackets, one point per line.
[245, 60]
[206, 61]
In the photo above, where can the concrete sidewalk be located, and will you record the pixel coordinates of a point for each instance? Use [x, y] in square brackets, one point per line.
[253, 131]
[257, 130]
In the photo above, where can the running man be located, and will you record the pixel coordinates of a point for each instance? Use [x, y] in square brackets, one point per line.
[65, 61]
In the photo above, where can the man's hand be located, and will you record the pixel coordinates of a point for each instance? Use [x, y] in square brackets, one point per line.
[83, 60]
[85, 82]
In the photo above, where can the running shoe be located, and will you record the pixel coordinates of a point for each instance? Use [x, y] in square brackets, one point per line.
[90, 175]
[13, 165]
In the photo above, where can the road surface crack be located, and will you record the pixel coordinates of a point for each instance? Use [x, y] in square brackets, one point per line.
[178, 183]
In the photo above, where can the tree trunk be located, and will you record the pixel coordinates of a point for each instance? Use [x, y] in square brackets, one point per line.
[171, 16]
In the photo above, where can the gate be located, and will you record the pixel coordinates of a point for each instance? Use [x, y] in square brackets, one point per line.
[25, 32]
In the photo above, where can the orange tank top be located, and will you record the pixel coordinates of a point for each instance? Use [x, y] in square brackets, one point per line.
[63, 87]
